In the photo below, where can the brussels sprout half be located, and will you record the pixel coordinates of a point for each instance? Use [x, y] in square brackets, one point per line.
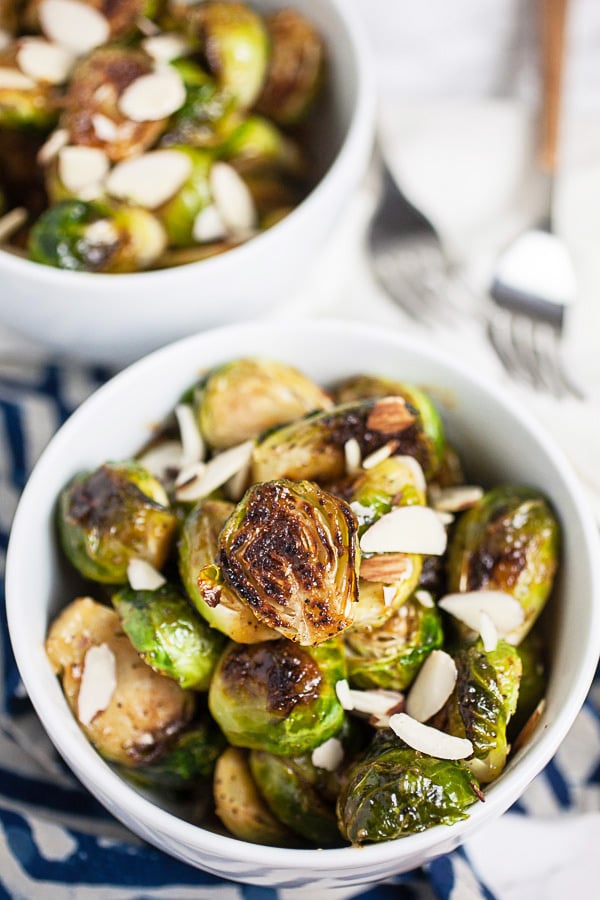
[169, 635]
[289, 551]
[111, 515]
[508, 541]
[393, 791]
[277, 696]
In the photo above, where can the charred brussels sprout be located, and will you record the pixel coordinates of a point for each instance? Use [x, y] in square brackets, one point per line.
[91, 237]
[277, 696]
[393, 791]
[391, 655]
[480, 707]
[207, 116]
[241, 399]
[295, 71]
[169, 635]
[289, 551]
[144, 712]
[198, 549]
[111, 515]
[295, 791]
[507, 542]
[314, 448]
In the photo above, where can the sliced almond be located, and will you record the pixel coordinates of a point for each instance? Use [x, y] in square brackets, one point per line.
[488, 632]
[456, 499]
[81, 166]
[429, 740]
[163, 458]
[406, 529]
[216, 472]
[232, 199]
[192, 442]
[385, 567]
[14, 79]
[92, 191]
[44, 61]
[77, 26]
[98, 683]
[208, 225]
[389, 594]
[106, 129]
[154, 96]
[352, 456]
[328, 755]
[165, 47]
[237, 484]
[151, 179]
[445, 518]
[389, 415]
[505, 612]
[142, 576]
[378, 456]
[6, 39]
[376, 702]
[425, 598]
[344, 695]
[432, 686]
[11, 221]
[52, 145]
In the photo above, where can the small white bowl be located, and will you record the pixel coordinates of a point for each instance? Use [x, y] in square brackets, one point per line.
[116, 319]
[498, 441]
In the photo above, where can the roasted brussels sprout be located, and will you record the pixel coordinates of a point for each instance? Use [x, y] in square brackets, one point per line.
[169, 635]
[234, 41]
[178, 214]
[289, 551]
[393, 791]
[257, 145]
[295, 71]
[208, 115]
[480, 707]
[188, 759]
[294, 790]
[93, 237]
[390, 656]
[277, 696]
[507, 542]
[134, 723]
[314, 448]
[243, 398]
[111, 515]
[239, 805]
[198, 549]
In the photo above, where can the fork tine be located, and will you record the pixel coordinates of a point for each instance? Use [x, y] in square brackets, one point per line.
[559, 372]
[522, 334]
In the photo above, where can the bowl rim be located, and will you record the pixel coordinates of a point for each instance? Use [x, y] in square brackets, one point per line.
[358, 139]
[100, 777]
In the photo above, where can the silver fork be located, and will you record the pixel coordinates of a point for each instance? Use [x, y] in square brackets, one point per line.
[408, 259]
[534, 281]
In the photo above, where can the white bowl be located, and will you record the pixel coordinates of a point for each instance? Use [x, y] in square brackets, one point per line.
[118, 318]
[498, 441]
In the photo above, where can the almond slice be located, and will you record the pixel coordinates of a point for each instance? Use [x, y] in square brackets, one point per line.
[328, 755]
[162, 458]
[142, 576]
[352, 456]
[505, 612]
[488, 632]
[376, 702]
[456, 499]
[76, 26]
[151, 179]
[384, 567]
[14, 79]
[165, 47]
[11, 221]
[79, 167]
[425, 598]
[232, 199]
[98, 683]
[192, 443]
[389, 594]
[154, 96]
[406, 529]
[389, 415]
[432, 686]
[208, 225]
[44, 61]
[216, 472]
[383, 453]
[52, 145]
[106, 129]
[6, 38]
[429, 740]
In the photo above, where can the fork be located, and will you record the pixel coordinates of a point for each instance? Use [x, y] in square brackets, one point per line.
[407, 257]
[534, 282]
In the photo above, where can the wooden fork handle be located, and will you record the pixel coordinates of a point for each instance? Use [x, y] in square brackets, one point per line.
[553, 23]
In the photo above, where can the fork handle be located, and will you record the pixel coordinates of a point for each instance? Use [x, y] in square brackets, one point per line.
[553, 22]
